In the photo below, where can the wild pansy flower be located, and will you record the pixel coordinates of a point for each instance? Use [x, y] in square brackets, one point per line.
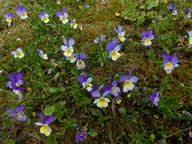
[113, 49]
[85, 81]
[72, 58]
[81, 136]
[73, 24]
[128, 81]
[170, 62]
[188, 12]
[120, 33]
[17, 112]
[101, 93]
[118, 100]
[68, 47]
[97, 40]
[190, 37]
[45, 129]
[114, 90]
[154, 98]
[44, 56]
[80, 27]
[147, 37]
[44, 16]
[8, 17]
[80, 64]
[172, 8]
[15, 82]
[21, 11]
[62, 15]
[18, 53]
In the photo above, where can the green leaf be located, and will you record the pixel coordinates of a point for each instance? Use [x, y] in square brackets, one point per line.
[95, 112]
[152, 137]
[123, 110]
[92, 132]
[53, 90]
[9, 141]
[51, 139]
[49, 110]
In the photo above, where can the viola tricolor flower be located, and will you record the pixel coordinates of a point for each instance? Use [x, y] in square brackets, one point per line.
[114, 90]
[21, 11]
[18, 53]
[97, 40]
[113, 49]
[68, 47]
[72, 58]
[172, 8]
[15, 82]
[17, 112]
[73, 24]
[147, 37]
[101, 93]
[154, 98]
[8, 17]
[62, 15]
[170, 62]
[81, 136]
[120, 33]
[118, 100]
[188, 12]
[44, 16]
[80, 64]
[45, 129]
[86, 82]
[190, 37]
[128, 81]
[80, 26]
[44, 56]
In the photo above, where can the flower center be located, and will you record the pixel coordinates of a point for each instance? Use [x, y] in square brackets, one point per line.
[102, 100]
[9, 19]
[19, 54]
[17, 84]
[23, 14]
[127, 83]
[168, 65]
[68, 51]
[72, 58]
[45, 18]
[114, 53]
[63, 18]
[147, 41]
[114, 89]
[20, 114]
[80, 63]
[87, 85]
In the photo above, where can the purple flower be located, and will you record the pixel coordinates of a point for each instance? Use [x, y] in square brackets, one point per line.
[114, 90]
[172, 8]
[62, 15]
[45, 129]
[118, 100]
[170, 62]
[86, 82]
[44, 56]
[147, 37]
[81, 136]
[80, 64]
[18, 112]
[113, 49]
[21, 11]
[97, 40]
[120, 33]
[154, 98]
[188, 12]
[190, 37]
[44, 16]
[8, 17]
[15, 82]
[128, 81]
[87, 6]
[68, 47]
[73, 24]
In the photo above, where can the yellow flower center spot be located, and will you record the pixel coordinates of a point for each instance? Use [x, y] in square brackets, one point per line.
[102, 100]
[118, 101]
[19, 115]
[45, 18]
[168, 65]
[80, 63]
[82, 134]
[19, 54]
[9, 19]
[72, 58]
[114, 53]
[114, 89]
[23, 14]
[127, 83]
[63, 18]
[68, 51]
[87, 85]
[17, 84]
[147, 41]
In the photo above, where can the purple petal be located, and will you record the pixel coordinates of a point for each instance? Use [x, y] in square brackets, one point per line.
[120, 29]
[6, 15]
[81, 79]
[122, 79]
[103, 37]
[17, 76]
[151, 37]
[58, 13]
[23, 9]
[64, 10]
[41, 116]
[95, 93]
[151, 97]
[23, 118]
[12, 114]
[11, 15]
[114, 83]
[166, 57]
[172, 7]
[114, 41]
[150, 32]
[144, 33]
[174, 59]
[131, 71]
[71, 42]
[19, 108]
[9, 84]
[85, 75]
[109, 46]
[96, 40]
[65, 42]
[116, 30]
[18, 7]
[82, 56]
[9, 110]
[117, 48]
[133, 79]
[48, 119]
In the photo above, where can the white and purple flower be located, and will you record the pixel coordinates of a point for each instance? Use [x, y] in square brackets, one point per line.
[42, 55]
[81, 136]
[62, 15]
[8, 17]
[172, 8]
[154, 98]
[120, 33]
[80, 64]
[114, 90]
[170, 62]
[188, 12]
[21, 11]
[85, 81]
[73, 24]
[17, 112]
[128, 81]
[45, 129]
[71, 58]
[97, 39]
[18, 53]
[190, 37]
[68, 47]
[147, 37]
[44, 16]
[113, 49]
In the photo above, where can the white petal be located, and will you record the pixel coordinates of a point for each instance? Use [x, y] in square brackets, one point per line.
[39, 124]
